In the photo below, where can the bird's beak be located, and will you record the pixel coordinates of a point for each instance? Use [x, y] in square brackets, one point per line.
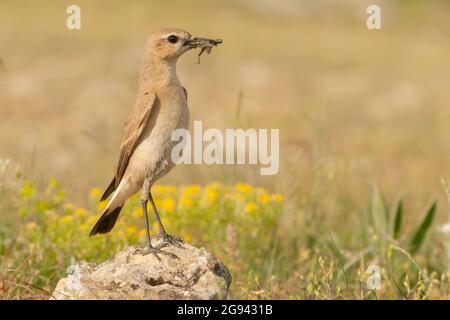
[201, 42]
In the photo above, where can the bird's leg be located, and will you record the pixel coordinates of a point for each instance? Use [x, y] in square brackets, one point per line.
[149, 248]
[147, 225]
[167, 239]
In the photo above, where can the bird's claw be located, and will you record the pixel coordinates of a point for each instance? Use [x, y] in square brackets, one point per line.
[155, 251]
[169, 240]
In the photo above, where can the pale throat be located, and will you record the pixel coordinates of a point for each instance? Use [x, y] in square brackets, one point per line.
[157, 71]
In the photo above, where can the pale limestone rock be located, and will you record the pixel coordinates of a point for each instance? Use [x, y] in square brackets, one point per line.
[131, 275]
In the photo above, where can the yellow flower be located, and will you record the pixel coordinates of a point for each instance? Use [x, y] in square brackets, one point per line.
[28, 190]
[42, 205]
[80, 212]
[131, 230]
[53, 183]
[168, 205]
[158, 189]
[264, 198]
[138, 213]
[191, 190]
[185, 202]
[31, 226]
[244, 187]
[158, 201]
[215, 185]
[250, 207]
[102, 205]
[277, 197]
[163, 190]
[142, 233]
[188, 237]
[95, 193]
[171, 189]
[60, 195]
[209, 196]
[66, 219]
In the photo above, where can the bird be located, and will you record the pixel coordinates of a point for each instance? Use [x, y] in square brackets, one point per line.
[145, 150]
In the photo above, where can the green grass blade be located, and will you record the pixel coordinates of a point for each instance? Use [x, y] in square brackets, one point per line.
[398, 220]
[419, 235]
[393, 247]
[379, 212]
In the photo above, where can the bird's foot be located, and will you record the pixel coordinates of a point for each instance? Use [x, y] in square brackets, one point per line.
[155, 251]
[169, 240]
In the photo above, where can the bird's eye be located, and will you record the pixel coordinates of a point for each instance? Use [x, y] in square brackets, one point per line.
[172, 38]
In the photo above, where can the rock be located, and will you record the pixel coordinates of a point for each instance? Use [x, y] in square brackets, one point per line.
[131, 275]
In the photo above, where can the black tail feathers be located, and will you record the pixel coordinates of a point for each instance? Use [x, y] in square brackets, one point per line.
[106, 222]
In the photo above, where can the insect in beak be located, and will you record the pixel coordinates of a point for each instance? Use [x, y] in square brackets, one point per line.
[204, 43]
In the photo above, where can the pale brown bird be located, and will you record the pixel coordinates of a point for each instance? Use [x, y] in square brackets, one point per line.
[145, 152]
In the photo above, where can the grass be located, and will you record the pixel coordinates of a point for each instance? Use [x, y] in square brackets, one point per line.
[363, 118]
[240, 225]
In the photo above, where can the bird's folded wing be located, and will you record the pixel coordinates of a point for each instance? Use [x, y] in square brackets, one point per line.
[132, 131]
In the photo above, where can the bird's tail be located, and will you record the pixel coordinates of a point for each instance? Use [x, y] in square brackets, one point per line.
[106, 221]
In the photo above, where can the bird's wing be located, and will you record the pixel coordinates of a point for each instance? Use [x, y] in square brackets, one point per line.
[132, 131]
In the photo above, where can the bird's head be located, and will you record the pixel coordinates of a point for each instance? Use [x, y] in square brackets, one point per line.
[171, 43]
